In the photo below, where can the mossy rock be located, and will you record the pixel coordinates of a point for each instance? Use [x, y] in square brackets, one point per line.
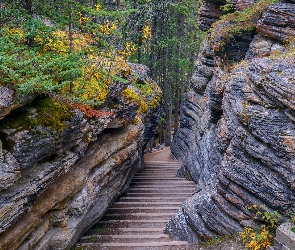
[44, 112]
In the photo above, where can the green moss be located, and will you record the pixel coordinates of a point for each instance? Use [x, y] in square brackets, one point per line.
[236, 23]
[293, 229]
[98, 230]
[289, 50]
[132, 96]
[144, 87]
[53, 114]
[212, 241]
[146, 93]
[87, 139]
[79, 248]
[43, 112]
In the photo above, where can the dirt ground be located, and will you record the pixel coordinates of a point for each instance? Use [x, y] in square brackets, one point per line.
[161, 155]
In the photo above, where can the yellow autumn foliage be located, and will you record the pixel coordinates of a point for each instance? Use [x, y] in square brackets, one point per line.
[255, 240]
[84, 65]
[59, 42]
[132, 96]
[147, 31]
[128, 50]
[108, 27]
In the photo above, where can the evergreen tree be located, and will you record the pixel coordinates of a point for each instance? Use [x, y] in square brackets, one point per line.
[74, 49]
[174, 45]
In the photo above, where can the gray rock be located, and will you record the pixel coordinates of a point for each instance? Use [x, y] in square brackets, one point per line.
[237, 135]
[61, 170]
[190, 131]
[7, 97]
[9, 173]
[285, 236]
[262, 46]
[278, 22]
[9, 100]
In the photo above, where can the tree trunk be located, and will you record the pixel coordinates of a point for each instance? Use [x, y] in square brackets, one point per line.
[139, 45]
[181, 99]
[168, 101]
[71, 38]
[168, 125]
[176, 110]
[30, 8]
[161, 133]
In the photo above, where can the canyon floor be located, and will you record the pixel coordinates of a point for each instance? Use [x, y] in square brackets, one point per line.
[137, 220]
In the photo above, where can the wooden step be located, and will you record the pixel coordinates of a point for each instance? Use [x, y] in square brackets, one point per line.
[149, 202]
[139, 244]
[184, 194]
[160, 163]
[133, 223]
[153, 174]
[104, 229]
[126, 238]
[160, 185]
[117, 209]
[160, 190]
[137, 221]
[145, 198]
[162, 179]
[146, 244]
[143, 230]
[138, 216]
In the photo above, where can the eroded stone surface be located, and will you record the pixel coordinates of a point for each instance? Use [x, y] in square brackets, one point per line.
[6, 100]
[208, 14]
[242, 4]
[278, 22]
[59, 177]
[237, 135]
[9, 100]
[9, 173]
[191, 124]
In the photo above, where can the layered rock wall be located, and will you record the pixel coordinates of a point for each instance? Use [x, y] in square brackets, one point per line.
[237, 132]
[60, 170]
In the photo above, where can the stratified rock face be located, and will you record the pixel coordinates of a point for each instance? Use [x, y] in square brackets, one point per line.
[242, 4]
[185, 141]
[239, 141]
[209, 13]
[9, 169]
[61, 170]
[278, 22]
[6, 100]
[9, 100]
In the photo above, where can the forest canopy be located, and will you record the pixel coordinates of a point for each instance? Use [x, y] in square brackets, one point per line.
[74, 50]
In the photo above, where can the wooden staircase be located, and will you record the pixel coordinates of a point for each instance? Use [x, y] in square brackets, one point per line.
[138, 219]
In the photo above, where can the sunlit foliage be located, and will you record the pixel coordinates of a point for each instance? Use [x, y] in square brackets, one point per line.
[64, 49]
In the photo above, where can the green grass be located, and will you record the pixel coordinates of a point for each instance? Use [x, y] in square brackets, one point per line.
[98, 230]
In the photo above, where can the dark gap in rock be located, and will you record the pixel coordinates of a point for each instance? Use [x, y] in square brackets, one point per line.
[48, 158]
[6, 143]
[235, 50]
[112, 131]
[140, 81]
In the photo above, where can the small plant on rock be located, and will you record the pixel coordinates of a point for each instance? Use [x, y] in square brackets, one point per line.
[293, 221]
[234, 24]
[261, 238]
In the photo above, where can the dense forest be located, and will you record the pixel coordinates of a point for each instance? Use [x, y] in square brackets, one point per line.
[73, 51]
